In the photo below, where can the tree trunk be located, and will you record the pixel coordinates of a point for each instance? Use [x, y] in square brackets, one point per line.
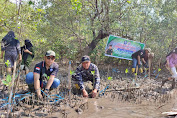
[87, 50]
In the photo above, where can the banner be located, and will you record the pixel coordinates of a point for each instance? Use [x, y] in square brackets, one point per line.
[122, 48]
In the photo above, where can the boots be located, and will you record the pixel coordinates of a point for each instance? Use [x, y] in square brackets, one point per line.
[140, 70]
[133, 72]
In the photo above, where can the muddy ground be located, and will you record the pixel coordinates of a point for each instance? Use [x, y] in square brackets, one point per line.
[124, 97]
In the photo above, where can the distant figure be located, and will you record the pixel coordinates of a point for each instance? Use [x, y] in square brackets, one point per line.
[86, 78]
[171, 64]
[137, 57]
[44, 75]
[109, 50]
[11, 47]
[27, 55]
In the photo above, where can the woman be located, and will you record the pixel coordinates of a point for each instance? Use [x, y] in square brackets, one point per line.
[171, 64]
[11, 47]
[27, 55]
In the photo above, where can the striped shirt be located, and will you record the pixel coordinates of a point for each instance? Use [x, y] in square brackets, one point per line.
[91, 74]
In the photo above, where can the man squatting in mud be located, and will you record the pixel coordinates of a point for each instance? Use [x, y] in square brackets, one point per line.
[44, 75]
[86, 78]
[138, 56]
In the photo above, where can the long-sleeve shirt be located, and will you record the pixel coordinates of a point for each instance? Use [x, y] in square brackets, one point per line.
[91, 74]
[172, 58]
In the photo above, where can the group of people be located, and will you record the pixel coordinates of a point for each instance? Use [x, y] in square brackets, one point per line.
[85, 80]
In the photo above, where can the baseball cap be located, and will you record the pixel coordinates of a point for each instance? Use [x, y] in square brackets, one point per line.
[148, 49]
[85, 58]
[50, 53]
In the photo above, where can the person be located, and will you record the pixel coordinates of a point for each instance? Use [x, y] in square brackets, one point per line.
[109, 50]
[86, 78]
[11, 46]
[171, 64]
[44, 75]
[27, 55]
[137, 57]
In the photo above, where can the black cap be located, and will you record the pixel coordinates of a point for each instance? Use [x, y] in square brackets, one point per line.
[85, 58]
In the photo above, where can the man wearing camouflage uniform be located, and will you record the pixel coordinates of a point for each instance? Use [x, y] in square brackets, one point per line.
[86, 78]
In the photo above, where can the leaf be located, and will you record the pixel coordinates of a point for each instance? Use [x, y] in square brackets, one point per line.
[109, 78]
[7, 63]
[128, 2]
[8, 78]
[30, 3]
[159, 69]
[71, 72]
[5, 82]
[93, 72]
[126, 71]
[39, 10]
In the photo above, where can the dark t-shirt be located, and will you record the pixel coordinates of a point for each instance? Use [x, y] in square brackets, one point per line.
[141, 53]
[53, 69]
[109, 51]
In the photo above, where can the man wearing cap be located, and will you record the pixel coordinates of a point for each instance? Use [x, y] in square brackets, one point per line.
[44, 75]
[137, 57]
[86, 73]
[27, 55]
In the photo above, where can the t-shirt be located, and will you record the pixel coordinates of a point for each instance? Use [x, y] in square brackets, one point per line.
[141, 53]
[53, 69]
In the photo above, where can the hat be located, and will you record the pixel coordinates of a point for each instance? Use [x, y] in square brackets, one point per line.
[50, 53]
[148, 49]
[85, 58]
[27, 41]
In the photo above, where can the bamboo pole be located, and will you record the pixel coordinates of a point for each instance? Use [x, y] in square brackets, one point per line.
[10, 96]
[69, 81]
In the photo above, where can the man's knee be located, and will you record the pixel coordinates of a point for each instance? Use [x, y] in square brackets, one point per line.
[30, 78]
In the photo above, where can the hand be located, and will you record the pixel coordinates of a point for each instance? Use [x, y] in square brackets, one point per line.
[46, 91]
[20, 58]
[84, 92]
[94, 92]
[26, 50]
[40, 96]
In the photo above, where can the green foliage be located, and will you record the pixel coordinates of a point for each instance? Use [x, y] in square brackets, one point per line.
[109, 78]
[93, 72]
[7, 63]
[159, 70]
[126, 70]
[71, 72]
[8, 80]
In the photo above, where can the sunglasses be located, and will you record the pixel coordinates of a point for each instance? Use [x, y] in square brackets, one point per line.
[51, 57]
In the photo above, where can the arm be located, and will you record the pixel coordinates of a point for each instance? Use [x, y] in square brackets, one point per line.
[80, 82]
[27, 51]
[50, 82]
[143, 61]
[37, 84]
[138, 59]
[97, 82]
[19, 50]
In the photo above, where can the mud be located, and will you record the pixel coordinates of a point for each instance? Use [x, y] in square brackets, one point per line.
[122, 97]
